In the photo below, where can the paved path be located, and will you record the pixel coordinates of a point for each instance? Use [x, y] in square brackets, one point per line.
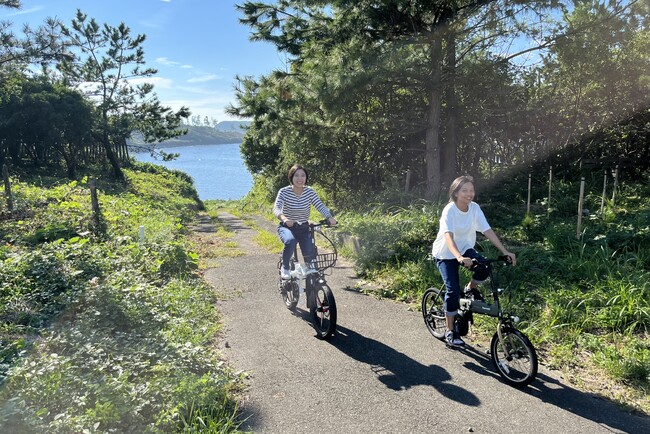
[382, 373]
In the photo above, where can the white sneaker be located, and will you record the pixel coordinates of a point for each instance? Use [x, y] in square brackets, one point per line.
[310, 268]
[285, 274]
[453, 340]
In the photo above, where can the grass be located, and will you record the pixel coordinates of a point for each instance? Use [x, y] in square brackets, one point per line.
[264, 238]
[101, 330]
[268, 241]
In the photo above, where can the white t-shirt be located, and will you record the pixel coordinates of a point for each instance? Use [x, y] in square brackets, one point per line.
[463, 225]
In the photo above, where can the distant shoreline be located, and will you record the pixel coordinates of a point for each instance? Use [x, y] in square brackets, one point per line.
[138, 148]
[195, 136]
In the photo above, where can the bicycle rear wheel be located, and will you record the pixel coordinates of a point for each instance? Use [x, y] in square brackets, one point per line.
[433, 312]
[519, 367]
[290, 292]
[323, 311]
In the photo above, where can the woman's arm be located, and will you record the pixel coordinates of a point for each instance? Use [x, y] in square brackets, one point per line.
[451, 244]
[320, 206]
[277, 210]
[490, 235]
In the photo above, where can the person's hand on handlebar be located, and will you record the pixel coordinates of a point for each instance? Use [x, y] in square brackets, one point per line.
[511, 256]
[331, 221]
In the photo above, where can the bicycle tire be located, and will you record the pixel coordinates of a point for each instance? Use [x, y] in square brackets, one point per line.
[323, 311]
[520, 368]
[290, 293]
[433, 312]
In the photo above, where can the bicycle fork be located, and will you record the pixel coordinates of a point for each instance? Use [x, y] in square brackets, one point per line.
[309, 291]
[312, 294]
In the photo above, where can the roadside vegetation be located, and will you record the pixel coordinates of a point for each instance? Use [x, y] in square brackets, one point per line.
[102, 331]
[584, 301]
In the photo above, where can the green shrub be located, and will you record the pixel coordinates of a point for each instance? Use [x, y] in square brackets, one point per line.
[125, 326]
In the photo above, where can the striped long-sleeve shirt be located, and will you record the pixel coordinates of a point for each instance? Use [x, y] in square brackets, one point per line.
[297, 208]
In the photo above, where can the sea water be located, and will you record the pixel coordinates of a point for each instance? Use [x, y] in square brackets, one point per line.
[218, 170]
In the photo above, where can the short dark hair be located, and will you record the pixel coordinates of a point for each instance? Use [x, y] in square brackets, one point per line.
[457, 185]
[293, 171]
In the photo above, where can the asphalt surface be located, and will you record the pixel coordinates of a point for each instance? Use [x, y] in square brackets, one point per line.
[382, 372]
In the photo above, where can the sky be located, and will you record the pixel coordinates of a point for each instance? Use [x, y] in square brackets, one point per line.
[197, 46]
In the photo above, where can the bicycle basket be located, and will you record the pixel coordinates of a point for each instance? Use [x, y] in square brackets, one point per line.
[325, 260]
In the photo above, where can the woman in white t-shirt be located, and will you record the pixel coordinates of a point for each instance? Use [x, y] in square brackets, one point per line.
[454, 246]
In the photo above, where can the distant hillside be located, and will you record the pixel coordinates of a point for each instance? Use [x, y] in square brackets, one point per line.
[198, 136]
[233, 125]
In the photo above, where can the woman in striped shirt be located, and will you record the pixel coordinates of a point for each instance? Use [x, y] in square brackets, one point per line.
[292, 207]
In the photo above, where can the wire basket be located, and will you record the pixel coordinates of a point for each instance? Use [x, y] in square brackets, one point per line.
[325, 260]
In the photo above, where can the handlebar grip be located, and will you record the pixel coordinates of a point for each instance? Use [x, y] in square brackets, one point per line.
[505, 258]
[325, 222]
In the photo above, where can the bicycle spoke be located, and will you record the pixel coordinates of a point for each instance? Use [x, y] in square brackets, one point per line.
[433, 312]
[514, 357]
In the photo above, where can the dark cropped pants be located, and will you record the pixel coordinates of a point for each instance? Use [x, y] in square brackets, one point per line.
[449, 270]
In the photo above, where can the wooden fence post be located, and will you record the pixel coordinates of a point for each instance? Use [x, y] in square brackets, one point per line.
[407, 184]
[94, 202]
[550, 183]
[5, 176]
[615, 185]
[528, 203]
[602, 201]
[582, 192]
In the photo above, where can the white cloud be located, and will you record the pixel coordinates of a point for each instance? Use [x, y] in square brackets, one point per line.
[204, 78]
[212, 108]
[158, 82]
[166, 61]
[25, 11]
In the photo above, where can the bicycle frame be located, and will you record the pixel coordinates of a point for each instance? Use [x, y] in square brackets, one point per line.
[494, 310]
[319, 273]
[511, 351]
[321, 302]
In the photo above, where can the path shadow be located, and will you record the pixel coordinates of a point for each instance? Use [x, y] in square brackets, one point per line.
[233, 223]
[396, 370]
[203, 224]
[549, 390]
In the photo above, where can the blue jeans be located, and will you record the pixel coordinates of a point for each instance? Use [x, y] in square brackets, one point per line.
[449, 270]
[297, 234]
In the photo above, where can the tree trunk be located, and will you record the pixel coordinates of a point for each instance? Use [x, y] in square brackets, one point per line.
[449, 146]
[125, 149]
[432, 139]
[112, 158]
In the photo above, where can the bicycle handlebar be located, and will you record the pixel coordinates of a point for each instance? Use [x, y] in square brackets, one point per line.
[324, 222]
[487, 261]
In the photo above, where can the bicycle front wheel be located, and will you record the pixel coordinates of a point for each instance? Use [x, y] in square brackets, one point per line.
[323, 311]
[519, 366]
[433, 312]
